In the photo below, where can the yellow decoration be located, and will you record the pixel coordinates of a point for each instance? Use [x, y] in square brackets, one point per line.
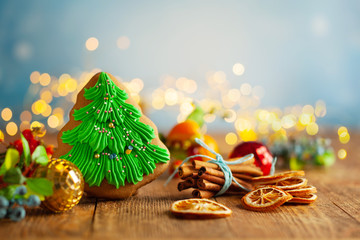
[96, 155]
[68, 184]
[128, 151]
[111, 125]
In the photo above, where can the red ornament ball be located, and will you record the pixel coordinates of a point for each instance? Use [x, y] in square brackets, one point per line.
[262, 155]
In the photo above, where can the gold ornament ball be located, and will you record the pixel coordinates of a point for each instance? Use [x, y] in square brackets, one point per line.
[97, 155]
[111, 125]
[68, 184]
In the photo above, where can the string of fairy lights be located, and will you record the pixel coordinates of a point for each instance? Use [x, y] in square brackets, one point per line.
[49, 99]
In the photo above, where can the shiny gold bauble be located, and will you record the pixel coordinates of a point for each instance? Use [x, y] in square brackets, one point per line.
[68, 184]
[96, 155]
[111, 125]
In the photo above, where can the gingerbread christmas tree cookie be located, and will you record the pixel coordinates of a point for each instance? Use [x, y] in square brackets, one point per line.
[115, 146]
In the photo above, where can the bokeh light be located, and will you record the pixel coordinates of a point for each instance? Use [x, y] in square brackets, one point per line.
[123, 42]
[6, 114]
[231, 138]
[45, 79]
[11, 128]
[92, 44]
[342, 154]
[238, 69]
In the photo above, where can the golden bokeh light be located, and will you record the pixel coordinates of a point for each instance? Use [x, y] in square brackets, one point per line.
[136, 85]
[342, 154]
[123, 42]
[47, 111]
[231, 138]
[238, 69]
[344, 137]
[158, 103]
[53, 121]
[35, 77]
[91, 44]
[25, 116]
[11, 128]
[171, 96]
[46, 96]
[6, 114]
[312, 129]
[45, 79]
[70, 85]
[308, 109]
[305, 119]
[342, 130]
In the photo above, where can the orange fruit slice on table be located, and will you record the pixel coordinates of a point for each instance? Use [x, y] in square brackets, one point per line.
[277, 177]
[195, 208]
[304, 200]
[302, 192]
[289, 183]
[265, 199]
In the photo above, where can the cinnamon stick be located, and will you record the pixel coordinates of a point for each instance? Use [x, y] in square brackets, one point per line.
[249, 169]
[185, 185]
[186, 171]
[193, 175]
[221, 181]
[202, 193]
[208, 186]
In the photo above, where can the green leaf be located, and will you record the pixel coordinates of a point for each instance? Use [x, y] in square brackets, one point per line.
[14, 176]
[26, 150]
[197, 115]
[40, 156]
[8, 192]
[11, 159]
[31, 192]
[41, 186]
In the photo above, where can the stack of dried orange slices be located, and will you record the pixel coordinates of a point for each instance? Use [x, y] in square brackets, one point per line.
[272, 191]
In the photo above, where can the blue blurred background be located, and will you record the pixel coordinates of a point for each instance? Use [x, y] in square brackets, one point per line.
[299, 52]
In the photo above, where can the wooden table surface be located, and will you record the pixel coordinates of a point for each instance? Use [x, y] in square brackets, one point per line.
[336, 213]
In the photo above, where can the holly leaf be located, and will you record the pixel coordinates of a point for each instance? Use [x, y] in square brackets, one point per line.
[41, 186]
[40, 156]
[26, 150]
[11, 159]
[31, 192]
[14, 176]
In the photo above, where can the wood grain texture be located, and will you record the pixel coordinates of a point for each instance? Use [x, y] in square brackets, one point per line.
[335, 215]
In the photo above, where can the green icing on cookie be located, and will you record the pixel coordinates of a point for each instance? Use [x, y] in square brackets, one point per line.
[111, 142]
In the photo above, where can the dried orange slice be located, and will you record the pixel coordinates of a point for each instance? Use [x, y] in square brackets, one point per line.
[291, 183]
[199, 208]
[304, 200]
[302, 192]
[265, 198]
[277, 177]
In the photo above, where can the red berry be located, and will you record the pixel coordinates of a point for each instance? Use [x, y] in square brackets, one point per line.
[33, 143]
[50, 149]
[18, 145]
[262, 155]
[28, 134]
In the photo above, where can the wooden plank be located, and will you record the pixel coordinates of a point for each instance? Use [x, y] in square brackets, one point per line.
[147, 215]
[40, 223]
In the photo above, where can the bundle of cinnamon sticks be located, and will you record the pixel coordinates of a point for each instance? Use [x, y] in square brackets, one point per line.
[207, 178]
